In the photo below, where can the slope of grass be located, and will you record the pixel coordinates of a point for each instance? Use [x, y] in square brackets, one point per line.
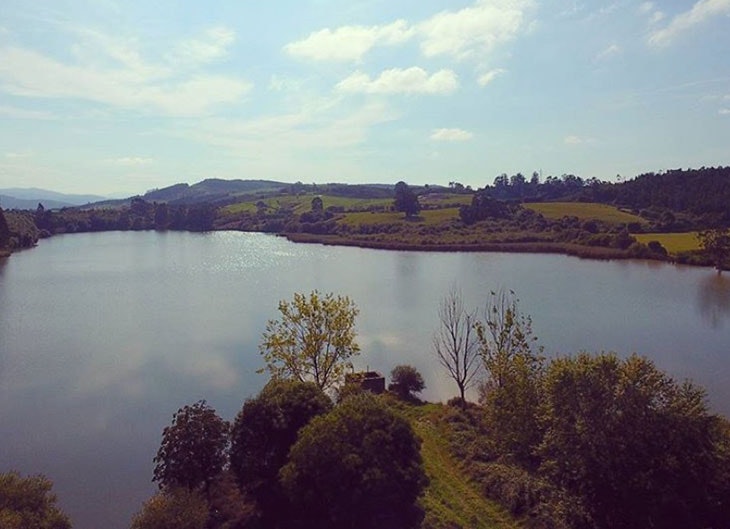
[451, 499]
[583, 210]
[426, 217]
[673, 242]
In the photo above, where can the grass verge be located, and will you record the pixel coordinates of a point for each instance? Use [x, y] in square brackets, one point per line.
[452, 499]
[673, 242]
[584, 211]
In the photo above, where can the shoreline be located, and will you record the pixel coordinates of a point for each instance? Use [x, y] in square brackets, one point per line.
[574, 250]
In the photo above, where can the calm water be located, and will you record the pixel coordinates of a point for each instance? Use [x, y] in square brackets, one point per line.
[104, 336]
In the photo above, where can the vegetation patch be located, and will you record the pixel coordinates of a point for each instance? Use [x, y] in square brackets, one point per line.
[673, 242]
[584, 211]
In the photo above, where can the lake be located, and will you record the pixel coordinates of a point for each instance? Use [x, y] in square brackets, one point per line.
[104, 336]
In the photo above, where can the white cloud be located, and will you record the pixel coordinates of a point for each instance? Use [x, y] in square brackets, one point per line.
[700, 12]
[132, 161]
[646, 7]
[656, 17]
[349, 43]
[577, 140]
[470, 32]
[16, 155]
[451, 135]
[21, 113]
[609, 52]
[30, 74]
[213, 44]
[490, 76]
[413, 80]
[474, 30]
[724, 111]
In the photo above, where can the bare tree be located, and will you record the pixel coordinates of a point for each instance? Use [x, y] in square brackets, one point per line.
[455, 341]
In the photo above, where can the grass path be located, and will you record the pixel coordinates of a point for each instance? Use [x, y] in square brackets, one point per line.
[452, 499]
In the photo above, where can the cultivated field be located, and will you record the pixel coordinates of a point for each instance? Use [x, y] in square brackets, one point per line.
[583, 210]
[673, 242]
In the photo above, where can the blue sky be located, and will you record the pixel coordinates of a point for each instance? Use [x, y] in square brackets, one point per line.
[115, 97]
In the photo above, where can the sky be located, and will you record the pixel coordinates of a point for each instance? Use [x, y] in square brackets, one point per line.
[120, 97]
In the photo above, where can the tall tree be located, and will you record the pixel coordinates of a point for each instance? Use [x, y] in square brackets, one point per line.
[455, 341]
[406, 200]
[638, 448]
[262, 434]
[358, 467]
[716, 244]
[511, 392]
[313, 339]
[194, 449]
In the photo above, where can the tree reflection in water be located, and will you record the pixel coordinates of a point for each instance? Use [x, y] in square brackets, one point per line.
[713, 299]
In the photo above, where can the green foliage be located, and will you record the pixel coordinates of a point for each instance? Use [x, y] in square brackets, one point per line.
[716, 244]
[357, 467]
[313, 340]
[4, 231]
[405, 381]
[262, 434]
[638, 449]
[173, 509]
[511, 392]
[406, 200]
[27, 503]
[194, 449]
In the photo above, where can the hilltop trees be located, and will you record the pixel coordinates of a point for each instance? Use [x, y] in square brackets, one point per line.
[194, 449]
[406, 380]
[313, 340]
[406, 200]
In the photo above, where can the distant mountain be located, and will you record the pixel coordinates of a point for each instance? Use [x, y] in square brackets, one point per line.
[211, 190]
[28, 198]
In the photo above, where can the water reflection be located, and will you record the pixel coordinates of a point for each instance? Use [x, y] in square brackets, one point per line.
[713, 299]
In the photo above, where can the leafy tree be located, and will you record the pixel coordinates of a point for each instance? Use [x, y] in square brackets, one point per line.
[194, 449]
[406, 200]
[313, 340]
[455, 342]
[406, 380]
[262, 434]
[27, 503]
[639, 449]
[511, 393]
[359, 466]
[317, 204]
[4, 231]
[173, 509]
[716, 244]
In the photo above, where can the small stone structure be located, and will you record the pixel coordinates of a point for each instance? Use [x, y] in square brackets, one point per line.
[369, 380]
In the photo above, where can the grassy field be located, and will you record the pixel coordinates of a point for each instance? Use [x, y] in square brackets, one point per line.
[583, 210]
[426, 217]
[301, 203]
[673, 242]
[451, 499]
